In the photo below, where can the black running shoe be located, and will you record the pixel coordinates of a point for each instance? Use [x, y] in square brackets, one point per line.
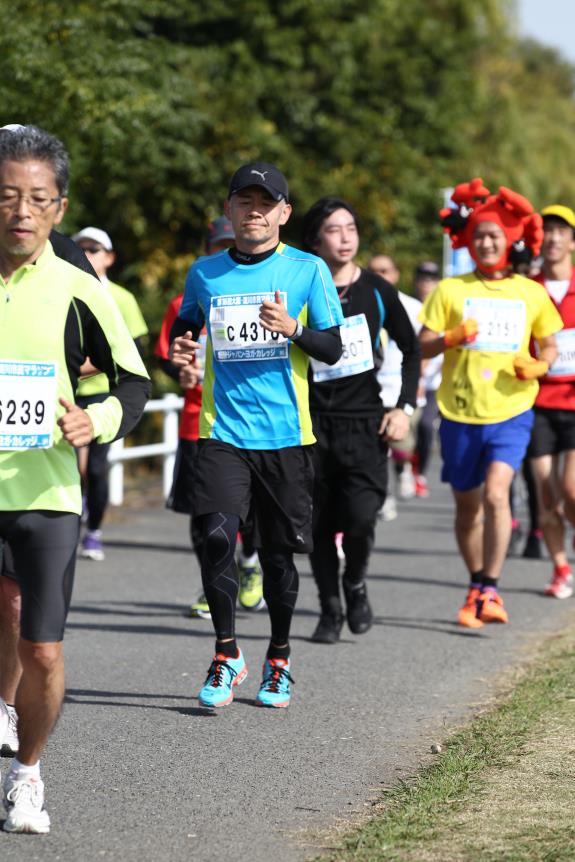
[328, 629]
[359, 614]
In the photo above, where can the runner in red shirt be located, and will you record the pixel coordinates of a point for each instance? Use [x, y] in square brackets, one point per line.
[554, 428]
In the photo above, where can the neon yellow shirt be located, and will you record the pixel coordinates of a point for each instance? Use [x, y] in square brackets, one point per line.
[478, 383]
[134, 320]
[52, 312]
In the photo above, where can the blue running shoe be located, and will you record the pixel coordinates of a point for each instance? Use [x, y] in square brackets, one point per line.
[223, 675]
[275, 689]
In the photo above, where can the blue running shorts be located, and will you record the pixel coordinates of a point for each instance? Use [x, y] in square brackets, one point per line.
[468, 450]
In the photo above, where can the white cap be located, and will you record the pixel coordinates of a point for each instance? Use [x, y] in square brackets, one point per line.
[11, 127]
[96, 234]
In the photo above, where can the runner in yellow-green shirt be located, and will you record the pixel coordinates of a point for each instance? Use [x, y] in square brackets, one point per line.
[483, 322]
[52, 316]
[93, 459]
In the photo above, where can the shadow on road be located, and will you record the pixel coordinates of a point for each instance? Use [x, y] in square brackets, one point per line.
[429, 582]
[444, 627]
[94, 697]
[121, 544]
[415, 552]
[122, 609]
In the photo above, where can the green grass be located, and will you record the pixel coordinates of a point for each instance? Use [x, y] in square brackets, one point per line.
[502, 789]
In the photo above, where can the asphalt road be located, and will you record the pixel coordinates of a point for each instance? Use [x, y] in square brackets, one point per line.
[136, 769]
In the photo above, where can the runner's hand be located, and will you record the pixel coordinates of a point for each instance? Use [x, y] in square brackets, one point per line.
[189, 377]
[529, 368]
[464, 333]
[274, 317]
[183, 350]
[395, 425]
[76, 424]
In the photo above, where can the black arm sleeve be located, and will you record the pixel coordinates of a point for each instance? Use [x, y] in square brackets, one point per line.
[398, 325]
[322, 344]
[131, 389]
[139, 342]
[170, 369]
[181, 326]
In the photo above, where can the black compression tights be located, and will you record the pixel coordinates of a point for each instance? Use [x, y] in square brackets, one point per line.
[281, 584]
[219, 573]
[220, 578]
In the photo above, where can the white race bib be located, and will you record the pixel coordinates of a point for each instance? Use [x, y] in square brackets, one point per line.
[236, 331]
[564, 365]
[27, 404]
[357, 355]
[501, 323]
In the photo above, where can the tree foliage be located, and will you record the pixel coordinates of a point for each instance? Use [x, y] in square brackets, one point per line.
[382, 102]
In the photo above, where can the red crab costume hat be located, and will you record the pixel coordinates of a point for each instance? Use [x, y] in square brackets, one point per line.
[509, 210]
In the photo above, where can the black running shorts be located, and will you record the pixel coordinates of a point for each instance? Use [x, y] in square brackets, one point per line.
[553, 432]
[274, 484]
[350, 473]
[39, 551]
[182, 493]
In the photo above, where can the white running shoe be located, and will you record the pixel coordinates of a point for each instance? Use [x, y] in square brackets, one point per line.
[9, 745]
[389, 509]
[92, 548]
[406, 483]
[24, 804]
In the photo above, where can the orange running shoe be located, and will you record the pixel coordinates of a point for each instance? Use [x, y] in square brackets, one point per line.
[467, 615]
[490, 607]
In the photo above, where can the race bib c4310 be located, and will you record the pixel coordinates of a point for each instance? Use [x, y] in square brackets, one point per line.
[501, 323]
[357, 355]
[27, 404]
[236, 332]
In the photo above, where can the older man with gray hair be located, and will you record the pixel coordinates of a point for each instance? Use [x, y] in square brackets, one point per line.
[54, 316]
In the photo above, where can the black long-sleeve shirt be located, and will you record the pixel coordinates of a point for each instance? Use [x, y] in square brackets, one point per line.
[358, 395]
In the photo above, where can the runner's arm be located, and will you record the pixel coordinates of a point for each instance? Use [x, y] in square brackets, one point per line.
[431, 343]
[170, 369]
[181, 326]
[400, 330]
[322, 344]
[547, 349]
[111, 349]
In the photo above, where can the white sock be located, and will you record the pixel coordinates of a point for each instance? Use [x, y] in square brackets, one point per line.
[21, 771]
[249, 561]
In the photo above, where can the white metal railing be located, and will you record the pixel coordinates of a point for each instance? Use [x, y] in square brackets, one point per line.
[169, 405]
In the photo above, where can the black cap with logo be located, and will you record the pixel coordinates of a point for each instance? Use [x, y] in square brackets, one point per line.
[260, 174]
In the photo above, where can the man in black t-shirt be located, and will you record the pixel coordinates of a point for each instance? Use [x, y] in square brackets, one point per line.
[350, 425]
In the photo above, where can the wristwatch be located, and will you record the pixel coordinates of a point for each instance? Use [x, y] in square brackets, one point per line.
[298, 331]
[408, 409]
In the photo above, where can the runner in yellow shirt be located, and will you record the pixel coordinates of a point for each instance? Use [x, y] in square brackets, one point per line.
[484, 321]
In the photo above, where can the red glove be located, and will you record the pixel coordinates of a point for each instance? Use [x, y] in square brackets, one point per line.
[464, 333]
[529, 368]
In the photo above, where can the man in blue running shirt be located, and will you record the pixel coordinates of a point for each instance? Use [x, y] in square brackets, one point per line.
[267, 308]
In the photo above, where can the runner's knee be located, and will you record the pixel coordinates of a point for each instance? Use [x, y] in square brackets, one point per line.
[40, 657]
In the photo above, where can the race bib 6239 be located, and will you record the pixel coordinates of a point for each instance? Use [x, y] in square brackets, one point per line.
[27, 404]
